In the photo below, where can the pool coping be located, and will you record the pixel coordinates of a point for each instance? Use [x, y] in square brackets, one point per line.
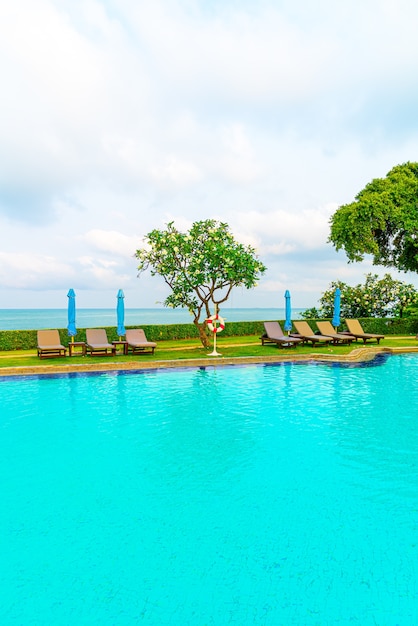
[358, 355]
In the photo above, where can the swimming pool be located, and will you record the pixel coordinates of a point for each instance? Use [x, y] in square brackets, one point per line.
[262, 495]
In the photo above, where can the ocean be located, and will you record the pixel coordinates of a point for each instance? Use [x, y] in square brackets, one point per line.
[34, 319]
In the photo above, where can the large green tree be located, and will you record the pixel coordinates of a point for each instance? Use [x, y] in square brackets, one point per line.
[201, 267]
[382, 221]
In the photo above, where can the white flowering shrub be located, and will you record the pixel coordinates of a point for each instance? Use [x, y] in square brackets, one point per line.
[377, 297]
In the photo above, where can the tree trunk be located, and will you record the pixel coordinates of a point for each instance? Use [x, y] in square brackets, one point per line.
[202, 334]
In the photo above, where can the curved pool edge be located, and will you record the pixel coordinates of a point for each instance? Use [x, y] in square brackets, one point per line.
[358, 355]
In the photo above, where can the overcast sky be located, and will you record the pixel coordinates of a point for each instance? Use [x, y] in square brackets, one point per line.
[118, 116]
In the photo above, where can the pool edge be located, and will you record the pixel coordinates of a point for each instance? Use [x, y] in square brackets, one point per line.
[358, 355]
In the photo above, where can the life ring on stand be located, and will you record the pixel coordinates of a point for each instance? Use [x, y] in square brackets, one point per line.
[212, 327]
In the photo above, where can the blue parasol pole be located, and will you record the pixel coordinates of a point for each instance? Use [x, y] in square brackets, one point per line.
[120, 312]
[71, 328]
[336, 321]
[288, 310]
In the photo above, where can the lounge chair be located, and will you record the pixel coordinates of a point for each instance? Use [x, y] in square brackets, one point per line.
[306, 333]
[138, 343]
[97, 343]
[326, 328]
[355, 329]
[49, 344]
[274, 334]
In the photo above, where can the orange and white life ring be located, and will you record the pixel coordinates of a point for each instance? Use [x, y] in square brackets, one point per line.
[213, 327]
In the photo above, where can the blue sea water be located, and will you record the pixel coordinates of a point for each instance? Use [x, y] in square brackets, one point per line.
[263, 495]
[34, 319]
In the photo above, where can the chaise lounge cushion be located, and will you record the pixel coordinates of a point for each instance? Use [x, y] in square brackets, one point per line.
[97, 343]
[49, 344]
[355, 329]
[137, 341]
[274, 334]
[305, 331]
[326, 329]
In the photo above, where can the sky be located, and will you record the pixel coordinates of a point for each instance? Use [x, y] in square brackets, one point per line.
[119, 116]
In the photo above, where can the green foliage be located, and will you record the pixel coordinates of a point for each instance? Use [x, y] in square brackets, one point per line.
[201, 267]
[189, 331]
[12, 340]
[388, 326]
[382, 221]
[383, 326]
[170, 332]
[27, 339]
[310, 314]
[412, 311]
[241, 329]
[377, 297]
[18, 339]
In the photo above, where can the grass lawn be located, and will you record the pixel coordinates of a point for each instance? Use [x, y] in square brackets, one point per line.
[228, 347]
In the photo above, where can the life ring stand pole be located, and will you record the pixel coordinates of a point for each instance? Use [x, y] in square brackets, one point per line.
[215, 329]
[214, 353]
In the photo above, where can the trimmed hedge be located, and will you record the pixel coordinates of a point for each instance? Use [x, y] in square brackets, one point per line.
[383, 326]
[27, 339]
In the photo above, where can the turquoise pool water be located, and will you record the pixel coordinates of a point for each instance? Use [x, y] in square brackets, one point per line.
[266, 495]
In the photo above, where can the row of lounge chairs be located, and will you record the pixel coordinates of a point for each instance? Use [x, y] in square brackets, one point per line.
[96, 344]
[136, 341]
[325, 334]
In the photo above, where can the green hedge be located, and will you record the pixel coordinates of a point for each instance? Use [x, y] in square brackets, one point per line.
[27, 339]
[381, 326]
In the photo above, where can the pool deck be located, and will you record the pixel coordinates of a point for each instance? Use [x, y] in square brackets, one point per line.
[358, 355]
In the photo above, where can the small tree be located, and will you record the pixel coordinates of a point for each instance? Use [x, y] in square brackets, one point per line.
[201, 267]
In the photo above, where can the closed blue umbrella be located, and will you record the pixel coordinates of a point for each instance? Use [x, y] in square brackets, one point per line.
[120, 311]
[72, 330]
[288, 311]
[336, 321]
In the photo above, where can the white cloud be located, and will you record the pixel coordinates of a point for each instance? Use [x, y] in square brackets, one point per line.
[118, 117]
[99, 273]
[250, 56]
[280, 232]
[113, 242]
[28, 271]
[175, 171]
